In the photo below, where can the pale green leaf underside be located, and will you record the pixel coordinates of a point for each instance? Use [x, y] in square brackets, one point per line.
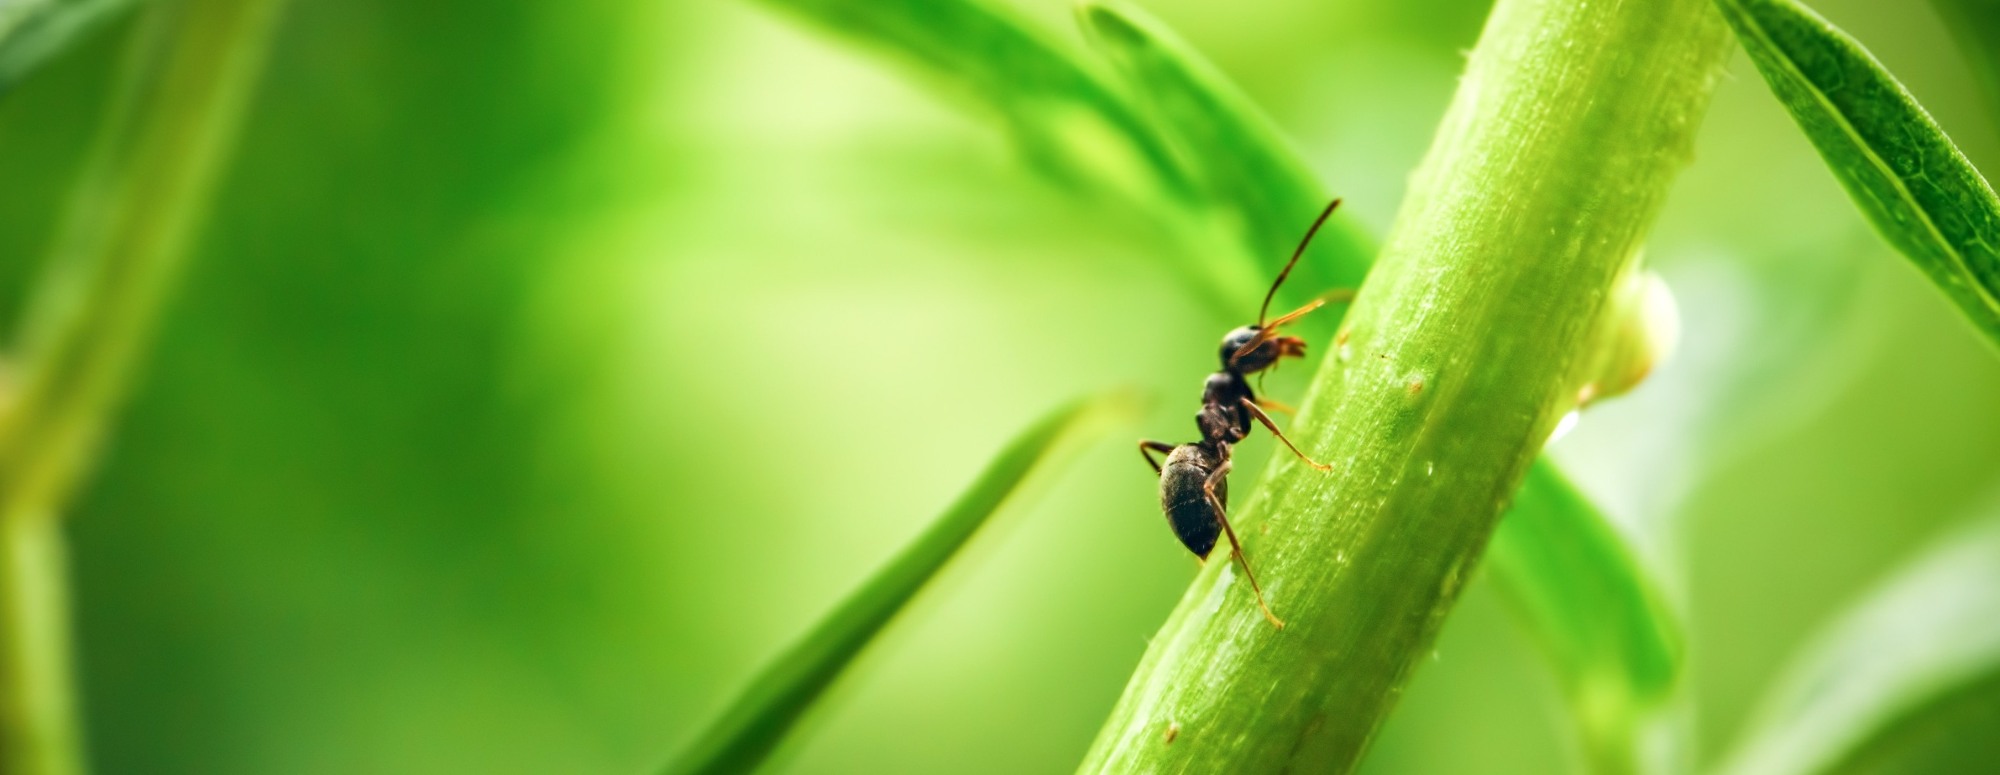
[1900, 168]
[1907, 681]
[759, 718]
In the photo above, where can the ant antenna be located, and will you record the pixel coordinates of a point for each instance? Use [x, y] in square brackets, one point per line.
[1268, 295]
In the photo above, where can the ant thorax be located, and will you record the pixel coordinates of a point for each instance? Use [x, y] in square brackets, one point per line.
[1222, 417]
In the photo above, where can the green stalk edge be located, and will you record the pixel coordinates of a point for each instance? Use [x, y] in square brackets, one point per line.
[1469, 340]
[190, 72]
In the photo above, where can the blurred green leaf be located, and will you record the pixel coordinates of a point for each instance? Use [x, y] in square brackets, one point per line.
[1061, 112]
[1899, 167]
[1907, 681]
[193, 73]
[189, 79]
[1253, 179]
[1068, 121]
[759, 718]
[31, 31]
[1594, 608]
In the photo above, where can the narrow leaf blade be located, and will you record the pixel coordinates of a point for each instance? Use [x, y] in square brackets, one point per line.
[1908, 680]
[760, 717]
[1901, 170]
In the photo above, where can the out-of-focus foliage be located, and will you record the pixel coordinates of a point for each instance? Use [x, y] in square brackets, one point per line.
[1976, 25]
[1906, 681]
[550, 366]
[1060, 110]
[1610, 630]
[758, 721]
[31, 31]
[1901, 169]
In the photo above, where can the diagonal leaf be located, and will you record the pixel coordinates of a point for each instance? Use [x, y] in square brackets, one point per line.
[1594, 607]
[759, 718]
[32, 31]
[1233, 151]
[1907, 681]
[1897, 165]
[1976, 25]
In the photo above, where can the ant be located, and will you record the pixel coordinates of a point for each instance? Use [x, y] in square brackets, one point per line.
[1194, 484]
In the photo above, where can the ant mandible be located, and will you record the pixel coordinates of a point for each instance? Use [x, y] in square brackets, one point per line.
[1194, 484]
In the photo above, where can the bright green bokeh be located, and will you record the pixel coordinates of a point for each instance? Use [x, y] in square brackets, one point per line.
[547, 367]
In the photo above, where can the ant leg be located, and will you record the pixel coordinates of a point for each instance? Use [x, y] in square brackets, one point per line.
[1266, 420]
[1275, 406]
[1235, 546]
[1147, 447]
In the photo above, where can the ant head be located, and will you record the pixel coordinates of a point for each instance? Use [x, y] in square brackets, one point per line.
[1252, 349]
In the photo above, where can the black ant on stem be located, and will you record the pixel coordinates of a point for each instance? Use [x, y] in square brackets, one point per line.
[1194, 484]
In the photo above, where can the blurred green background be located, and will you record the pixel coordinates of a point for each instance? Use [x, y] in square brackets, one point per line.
[546, 367]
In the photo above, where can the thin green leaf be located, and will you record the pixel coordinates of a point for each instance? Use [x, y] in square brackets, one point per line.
[1238, 156]
[759, 718]
[1593, 606]
[32, 31]
[1899, 167]
[1908, 681]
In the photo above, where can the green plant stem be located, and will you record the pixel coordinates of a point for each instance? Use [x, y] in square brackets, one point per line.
[1469, 340]
[191, 71]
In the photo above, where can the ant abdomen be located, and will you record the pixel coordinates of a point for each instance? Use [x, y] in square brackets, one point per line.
[1184, 488]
